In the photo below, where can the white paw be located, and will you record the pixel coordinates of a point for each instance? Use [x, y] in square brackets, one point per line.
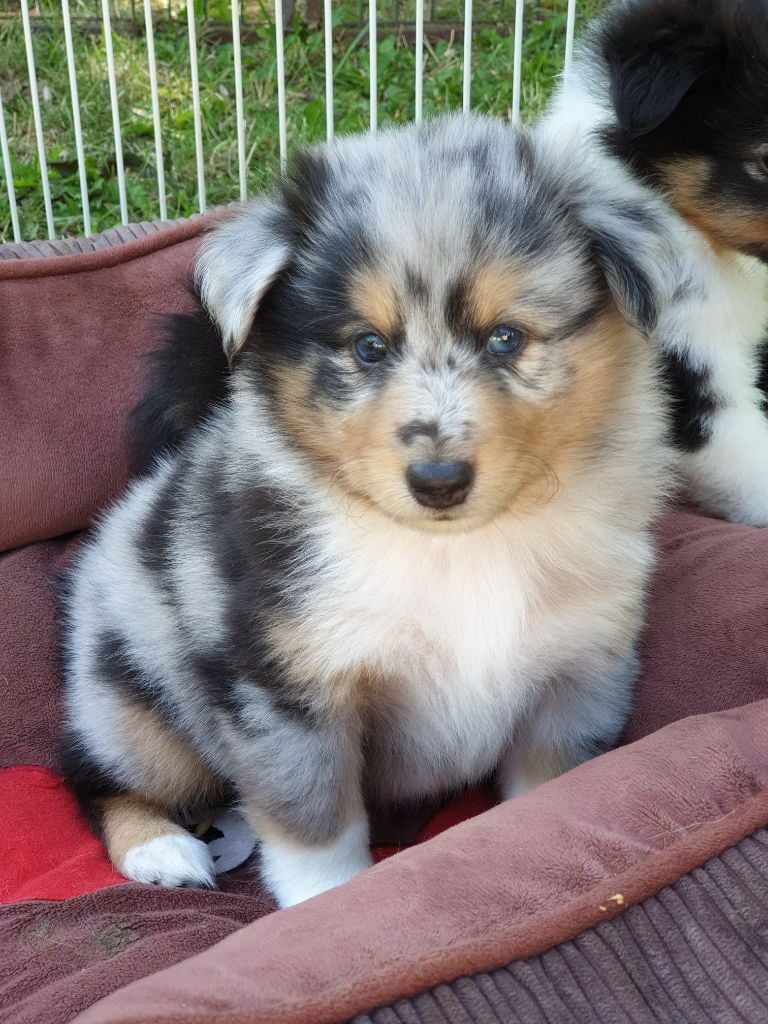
[172, 861]
[294, 874]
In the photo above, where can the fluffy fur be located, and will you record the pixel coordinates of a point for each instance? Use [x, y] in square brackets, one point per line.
[677, 90]
[284, 607]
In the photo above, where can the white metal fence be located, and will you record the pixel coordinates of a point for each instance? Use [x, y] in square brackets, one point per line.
[112, 83]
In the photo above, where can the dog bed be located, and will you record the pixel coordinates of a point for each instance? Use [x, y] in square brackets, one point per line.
[631, 889]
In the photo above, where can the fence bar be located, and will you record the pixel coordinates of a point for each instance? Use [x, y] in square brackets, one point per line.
[518, 61]
[241, 169]
[570, 31]
[419, 61]
[328, 20]
[159, 164]
[196, 105]
[373, 53]
[280, 53]
[8, 171]
[76, 118]
[38, 119]
[467, 55]
[115, 112]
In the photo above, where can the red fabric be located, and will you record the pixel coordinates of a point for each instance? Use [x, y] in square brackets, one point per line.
[54, 856]
[462, 808]
[51, 855]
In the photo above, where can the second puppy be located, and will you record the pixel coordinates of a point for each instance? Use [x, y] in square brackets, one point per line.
[677, 90]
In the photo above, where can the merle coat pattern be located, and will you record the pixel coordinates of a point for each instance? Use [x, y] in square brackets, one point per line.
[411, 547]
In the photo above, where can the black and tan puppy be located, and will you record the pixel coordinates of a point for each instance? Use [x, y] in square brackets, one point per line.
[677, 90]
[411, 548]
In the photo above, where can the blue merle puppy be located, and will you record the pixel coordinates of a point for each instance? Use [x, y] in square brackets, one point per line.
[677, 90]
[411, 549]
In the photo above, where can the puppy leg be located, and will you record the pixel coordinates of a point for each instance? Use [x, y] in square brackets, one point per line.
[130, 774]
[728, 475]
[300, 783]
[146, 845]
[583, 715]
[295, 870]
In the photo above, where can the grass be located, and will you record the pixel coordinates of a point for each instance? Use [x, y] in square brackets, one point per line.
[492, 54]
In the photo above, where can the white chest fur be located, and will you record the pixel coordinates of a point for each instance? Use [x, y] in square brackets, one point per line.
[455, 635]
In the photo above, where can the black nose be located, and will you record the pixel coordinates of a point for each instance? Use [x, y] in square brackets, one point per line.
[440, 484]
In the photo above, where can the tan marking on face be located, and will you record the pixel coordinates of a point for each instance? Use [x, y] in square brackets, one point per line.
[523, 443]
[374, 299]
[313, 425]
[725, 224]
[604, 365]
[495, 291]
[129, 821]
[505, 291]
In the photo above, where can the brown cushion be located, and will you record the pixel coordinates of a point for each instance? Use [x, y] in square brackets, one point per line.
[706, 641]
[71, 331]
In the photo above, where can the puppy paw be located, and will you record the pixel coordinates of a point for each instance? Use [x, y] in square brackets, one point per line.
[294, 874]
[172, 861]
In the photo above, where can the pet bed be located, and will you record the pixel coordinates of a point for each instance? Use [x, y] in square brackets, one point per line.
[631, 889]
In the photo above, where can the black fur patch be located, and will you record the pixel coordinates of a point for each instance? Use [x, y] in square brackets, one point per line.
[154, 534]
[418, 428]
[188, 377]
[456, 310]
[114, 666]
[655, 52]
[693, 402]
[762, 376]
[633, 292]
[256, 546]
[306, 189]
[689, 78]
[88, 782]
[415, 285]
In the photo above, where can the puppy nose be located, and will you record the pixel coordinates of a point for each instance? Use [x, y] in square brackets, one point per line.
[440, 484]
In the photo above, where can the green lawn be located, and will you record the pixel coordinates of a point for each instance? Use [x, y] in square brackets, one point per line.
[491, 92]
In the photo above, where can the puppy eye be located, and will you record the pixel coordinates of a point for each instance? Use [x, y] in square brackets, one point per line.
[369, 349]
[505, 340]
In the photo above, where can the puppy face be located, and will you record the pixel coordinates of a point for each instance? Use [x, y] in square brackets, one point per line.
[439, 332]
[689, 81]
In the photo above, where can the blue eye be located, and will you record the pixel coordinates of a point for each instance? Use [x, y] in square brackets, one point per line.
[369, 349]
[505, 340]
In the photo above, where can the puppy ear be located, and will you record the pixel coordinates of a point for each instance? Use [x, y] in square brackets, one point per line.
[237, 263]
[635, 243]
[655, 51]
